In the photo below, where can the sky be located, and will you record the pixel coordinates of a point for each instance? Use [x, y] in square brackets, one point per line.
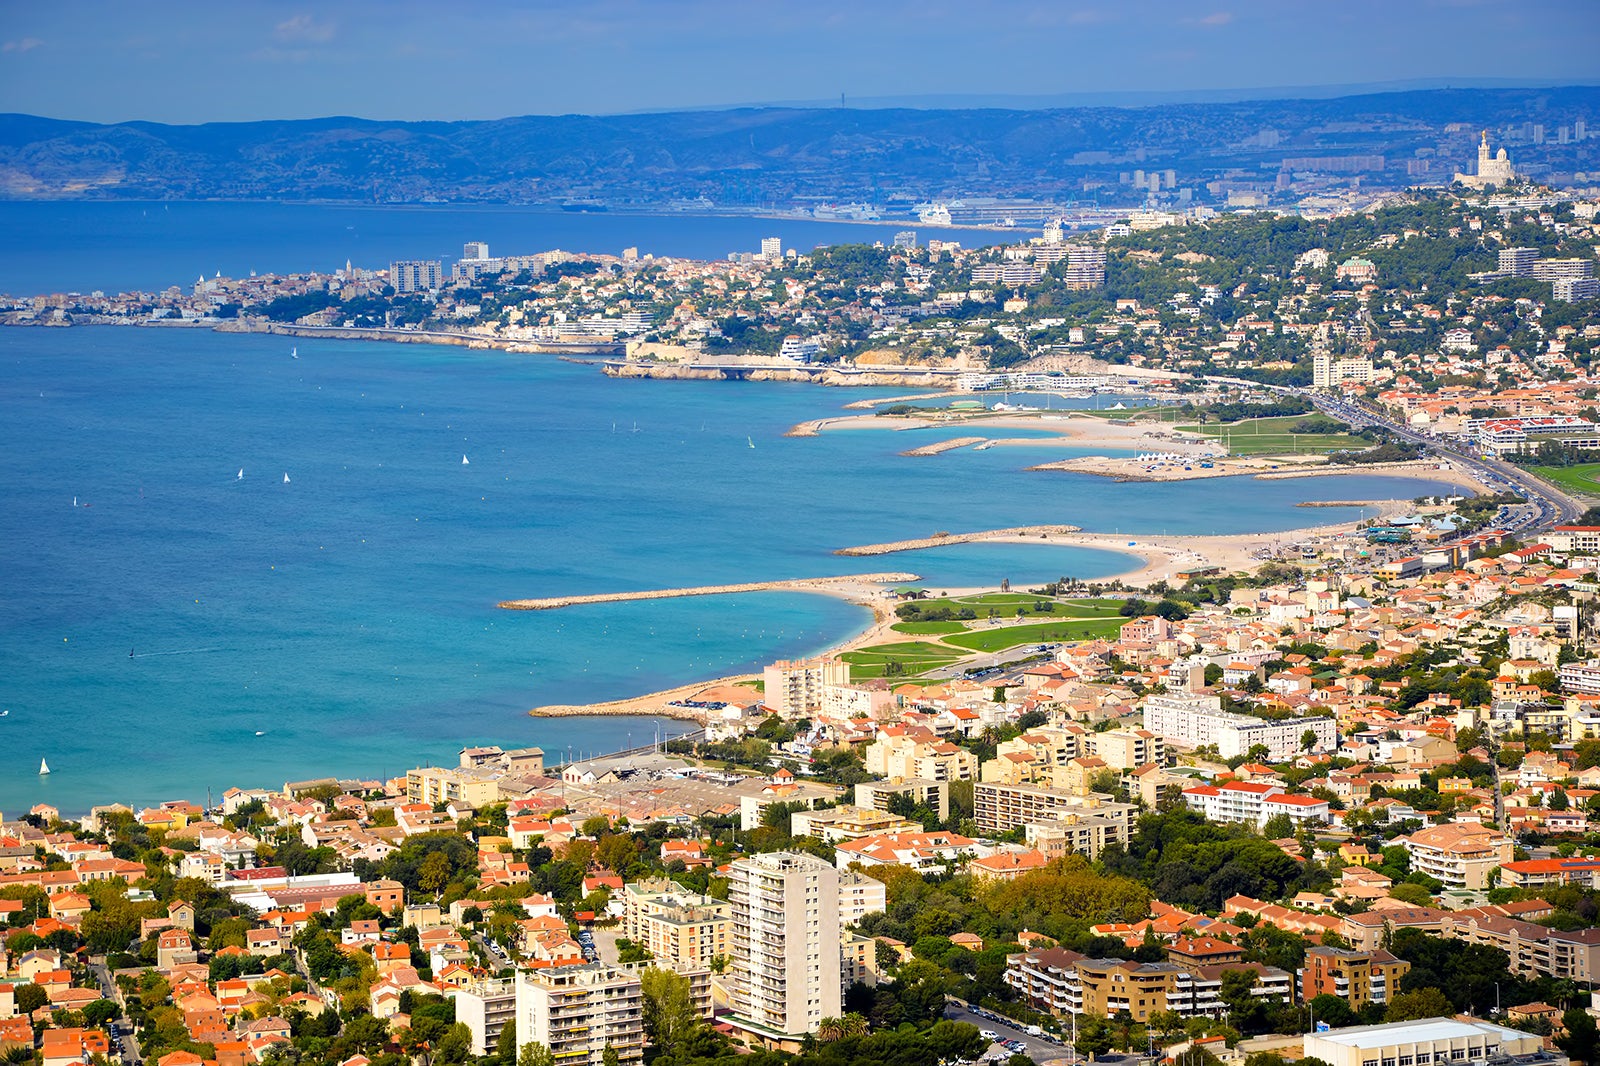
[185, 61]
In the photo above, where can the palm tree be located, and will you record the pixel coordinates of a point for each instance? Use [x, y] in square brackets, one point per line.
[829, 1029]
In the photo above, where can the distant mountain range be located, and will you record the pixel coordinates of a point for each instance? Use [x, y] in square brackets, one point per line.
[790, 157]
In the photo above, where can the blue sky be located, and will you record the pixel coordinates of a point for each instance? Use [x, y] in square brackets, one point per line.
[185, 61]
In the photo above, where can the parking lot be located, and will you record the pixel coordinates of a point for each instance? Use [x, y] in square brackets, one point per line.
[1040, 1049]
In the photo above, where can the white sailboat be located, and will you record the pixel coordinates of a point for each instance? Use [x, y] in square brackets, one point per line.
[44, 767]
[241, 474]
[294, 353]
[285, 477]
[464, 461]
[750, 442]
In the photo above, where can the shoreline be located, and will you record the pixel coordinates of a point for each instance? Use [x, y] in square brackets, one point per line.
[1154, 558]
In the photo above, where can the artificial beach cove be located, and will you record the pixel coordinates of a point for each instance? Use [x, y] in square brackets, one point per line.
[1168, 638]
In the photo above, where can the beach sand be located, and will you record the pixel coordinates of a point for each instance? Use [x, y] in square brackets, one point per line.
[1159, 558]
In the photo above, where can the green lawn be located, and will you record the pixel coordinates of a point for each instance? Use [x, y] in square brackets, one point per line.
[1583, 479]
[1271, 436]
[912, 657]
[1006, 604]
[1003, 637]
[928, 628]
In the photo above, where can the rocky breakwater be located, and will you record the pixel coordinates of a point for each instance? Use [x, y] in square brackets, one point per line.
[940, 539]
[945, 446]
[843, 585]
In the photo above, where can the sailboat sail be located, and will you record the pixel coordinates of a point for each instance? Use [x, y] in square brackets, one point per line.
[44, 767]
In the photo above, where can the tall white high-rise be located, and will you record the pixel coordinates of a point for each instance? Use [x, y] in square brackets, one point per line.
[786, 962]
[772, 249]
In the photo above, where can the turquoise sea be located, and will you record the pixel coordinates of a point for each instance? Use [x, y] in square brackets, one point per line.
[344, 622]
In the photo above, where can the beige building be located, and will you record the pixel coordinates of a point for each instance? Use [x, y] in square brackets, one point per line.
[785, 973]
[794, 687]
[437, 784]
[935, 795]
[836, 824]
[918, 755]
[1125, 749]
[1357, 977]
[859, 896]
[682, 930]
[579, 1011]
[1003, 807]
[1461, 854]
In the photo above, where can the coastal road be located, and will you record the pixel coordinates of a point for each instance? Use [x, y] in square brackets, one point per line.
[1547, 505]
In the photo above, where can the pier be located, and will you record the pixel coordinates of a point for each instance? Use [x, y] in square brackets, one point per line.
[840, 584]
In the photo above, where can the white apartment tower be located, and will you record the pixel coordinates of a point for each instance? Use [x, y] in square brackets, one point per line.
[786, 963]
[772, 249]
[579, 1011]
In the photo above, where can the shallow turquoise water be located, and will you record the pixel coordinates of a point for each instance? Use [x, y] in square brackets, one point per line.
[349, 615]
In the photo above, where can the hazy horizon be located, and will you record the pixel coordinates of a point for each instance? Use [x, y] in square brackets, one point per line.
[98, 61]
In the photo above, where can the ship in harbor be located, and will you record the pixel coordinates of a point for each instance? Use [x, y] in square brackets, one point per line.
[846, 212]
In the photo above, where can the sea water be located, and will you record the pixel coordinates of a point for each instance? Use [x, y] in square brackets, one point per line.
[120, 246]
[168, 627]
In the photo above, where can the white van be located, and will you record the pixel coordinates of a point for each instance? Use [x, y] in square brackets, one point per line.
[988, 1034]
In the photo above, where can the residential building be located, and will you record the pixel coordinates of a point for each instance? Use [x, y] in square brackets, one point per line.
[793, 687]
[415, 275]
[1195, 720]
[785, 969]
[683, 930]
[579, 1011]
[435, 784]
[999, 808]
[484, 1006]
[1461, 854]
[876, 795]
[1126, 749]
[1064, 982]
[1357, 977]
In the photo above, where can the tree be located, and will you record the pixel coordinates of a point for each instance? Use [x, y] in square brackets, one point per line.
[534, 1053]
[1581, 1041]
[1308, 739]
[1416, 895]
[669, 1017]
[30, 997]
[1418, 1004]
[434, 873]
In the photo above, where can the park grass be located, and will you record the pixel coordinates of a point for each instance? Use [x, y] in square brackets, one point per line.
[928, 628]
[1000, 638]
[908, 658]
[1006, 605]
[1271, 436]
[1583, 479]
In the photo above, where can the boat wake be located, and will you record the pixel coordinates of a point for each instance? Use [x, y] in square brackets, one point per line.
[179, 651]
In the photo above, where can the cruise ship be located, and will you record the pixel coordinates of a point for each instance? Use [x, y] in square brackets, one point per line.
[933, 214]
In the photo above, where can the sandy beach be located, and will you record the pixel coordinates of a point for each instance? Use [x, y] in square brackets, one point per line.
[1158, 558]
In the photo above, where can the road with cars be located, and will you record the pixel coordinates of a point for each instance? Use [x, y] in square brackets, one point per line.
[1006, 1037]
[1547, 505]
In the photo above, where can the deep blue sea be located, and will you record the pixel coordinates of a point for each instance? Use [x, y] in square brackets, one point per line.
[348, 615]
[142, 246]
